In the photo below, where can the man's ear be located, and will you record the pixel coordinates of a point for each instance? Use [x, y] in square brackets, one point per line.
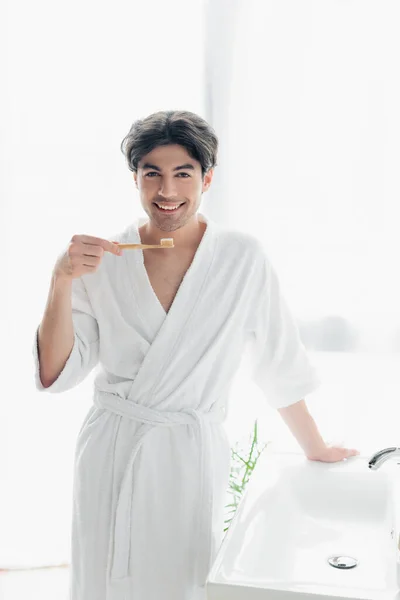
[207, 179]
[135, 178]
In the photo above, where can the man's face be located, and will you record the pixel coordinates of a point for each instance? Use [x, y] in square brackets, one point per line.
[169, 176]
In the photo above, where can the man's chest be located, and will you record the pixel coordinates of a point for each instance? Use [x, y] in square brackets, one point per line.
[166, 275]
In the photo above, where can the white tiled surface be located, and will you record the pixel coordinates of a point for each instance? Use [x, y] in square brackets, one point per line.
[38, 584]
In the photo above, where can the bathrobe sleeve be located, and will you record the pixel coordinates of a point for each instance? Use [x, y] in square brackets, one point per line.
[85, 352]
[280, 365]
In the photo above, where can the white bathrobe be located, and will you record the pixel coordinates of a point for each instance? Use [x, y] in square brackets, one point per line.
[152, 458]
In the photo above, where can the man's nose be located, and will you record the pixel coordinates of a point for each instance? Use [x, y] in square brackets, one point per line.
[167, 187]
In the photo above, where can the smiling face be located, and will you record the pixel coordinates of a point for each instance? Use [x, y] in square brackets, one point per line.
[169, 176]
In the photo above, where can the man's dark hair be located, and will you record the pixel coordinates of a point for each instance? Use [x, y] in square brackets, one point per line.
[171, 127]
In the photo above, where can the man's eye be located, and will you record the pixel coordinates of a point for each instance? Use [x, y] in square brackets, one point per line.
[151, 173]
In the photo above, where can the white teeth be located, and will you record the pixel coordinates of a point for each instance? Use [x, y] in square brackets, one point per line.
[168, 207]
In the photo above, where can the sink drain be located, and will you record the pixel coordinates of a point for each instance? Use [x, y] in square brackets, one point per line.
[342, 562]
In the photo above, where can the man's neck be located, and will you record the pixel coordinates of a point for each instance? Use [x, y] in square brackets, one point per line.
[185, 237]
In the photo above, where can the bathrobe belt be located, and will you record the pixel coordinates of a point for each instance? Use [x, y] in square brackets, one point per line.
[150, 417]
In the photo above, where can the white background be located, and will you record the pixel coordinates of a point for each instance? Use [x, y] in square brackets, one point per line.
[309, 127]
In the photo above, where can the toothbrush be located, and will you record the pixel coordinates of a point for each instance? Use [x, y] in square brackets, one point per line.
[164, 243]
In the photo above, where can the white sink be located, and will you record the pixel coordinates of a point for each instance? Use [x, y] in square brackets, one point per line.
[295, 515]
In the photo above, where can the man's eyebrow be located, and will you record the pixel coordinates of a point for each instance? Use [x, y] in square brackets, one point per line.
[155, 168]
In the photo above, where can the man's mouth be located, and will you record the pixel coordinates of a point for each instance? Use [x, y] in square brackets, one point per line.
[168, 207]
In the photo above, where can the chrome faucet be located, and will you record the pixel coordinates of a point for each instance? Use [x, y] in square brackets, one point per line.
[382, 456]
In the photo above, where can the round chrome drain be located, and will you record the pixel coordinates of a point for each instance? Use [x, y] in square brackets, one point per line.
[342, 562]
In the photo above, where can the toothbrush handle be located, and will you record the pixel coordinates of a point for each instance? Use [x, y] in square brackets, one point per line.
[139, 246]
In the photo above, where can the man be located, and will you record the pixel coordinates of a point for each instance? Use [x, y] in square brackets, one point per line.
[168, 328]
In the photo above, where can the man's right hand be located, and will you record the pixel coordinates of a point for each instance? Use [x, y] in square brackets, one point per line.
[83, 255]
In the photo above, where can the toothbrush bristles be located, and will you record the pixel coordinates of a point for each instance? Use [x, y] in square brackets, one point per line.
[168, 242]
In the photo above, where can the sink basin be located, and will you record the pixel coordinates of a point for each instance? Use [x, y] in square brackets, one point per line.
[295, 515]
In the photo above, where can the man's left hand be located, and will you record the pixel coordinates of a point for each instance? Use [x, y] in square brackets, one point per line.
[334, 454]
